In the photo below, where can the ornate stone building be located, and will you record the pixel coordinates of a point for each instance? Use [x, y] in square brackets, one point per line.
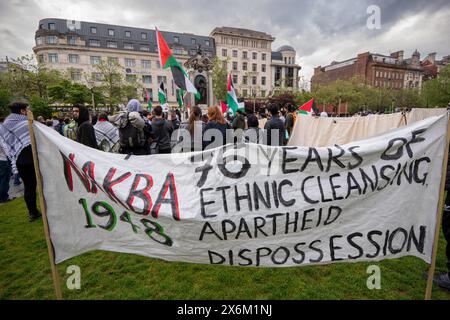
[76, 47]
[256, 70]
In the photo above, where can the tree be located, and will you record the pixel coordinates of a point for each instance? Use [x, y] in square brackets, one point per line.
[220, 80]
[5, 100]
[112, 81]
[436, 92]
[40, 107]
[26, 78]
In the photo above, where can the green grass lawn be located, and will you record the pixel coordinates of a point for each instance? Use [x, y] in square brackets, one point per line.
[25, 274]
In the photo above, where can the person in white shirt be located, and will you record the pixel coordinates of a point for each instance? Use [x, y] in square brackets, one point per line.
[324, 114]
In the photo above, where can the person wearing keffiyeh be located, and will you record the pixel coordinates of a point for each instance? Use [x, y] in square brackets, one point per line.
[15, 141]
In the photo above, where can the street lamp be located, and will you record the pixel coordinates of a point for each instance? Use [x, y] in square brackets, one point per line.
[91, 86]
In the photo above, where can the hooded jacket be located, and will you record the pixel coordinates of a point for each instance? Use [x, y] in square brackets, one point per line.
[85, 131]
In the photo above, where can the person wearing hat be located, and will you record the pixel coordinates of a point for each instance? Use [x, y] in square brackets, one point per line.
[15, 141]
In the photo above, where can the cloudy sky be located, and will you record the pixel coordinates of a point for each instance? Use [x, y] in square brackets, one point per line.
[320, 30]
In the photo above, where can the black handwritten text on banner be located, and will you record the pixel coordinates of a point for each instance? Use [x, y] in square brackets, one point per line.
[249, 205]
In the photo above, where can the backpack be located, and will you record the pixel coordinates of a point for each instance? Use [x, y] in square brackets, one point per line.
[70, 131]
[130, 136]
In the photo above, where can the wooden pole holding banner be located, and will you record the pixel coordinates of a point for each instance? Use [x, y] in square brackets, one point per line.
[51, 254]
[438, 220]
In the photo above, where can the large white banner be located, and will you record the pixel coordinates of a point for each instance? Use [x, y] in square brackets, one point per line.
[249, 205]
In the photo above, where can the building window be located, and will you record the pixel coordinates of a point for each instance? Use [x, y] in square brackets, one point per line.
[224, 65]
[113, 61]
[41, 58]
[74, 58]
[244, 93]
[111, 32]
[207, 43]
[176, 39]
[38, 41]
[235, 66]
[244, 54]
[75, 75]
[147, 79]
[95, 60]
[162, 79]
[254, 81]
[263, 81]
[277, 76]
[263, 57]
[130, 78]
[235, 53]
[52, 40]
[51, 26]
[235, 78]
[127, 34]
[192, 52]
[128, 46]
[129, 62]
[150, 95]
[244, 80]
[111, 44]
[244, 66]
[224, 53]
[94, 43]
[158, 64]
[255, 55]
[263, 68]
[193, 42]
[71, 40]
[145, 48]
[146, 64]
[53, 57]
[178, 51]
[144, 36]
[93, 30]
[263, 94]
[254, 67]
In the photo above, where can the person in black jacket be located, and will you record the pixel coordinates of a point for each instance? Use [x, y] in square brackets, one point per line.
[162, 131]
[275, 134]
[443, 280]
[85, 131]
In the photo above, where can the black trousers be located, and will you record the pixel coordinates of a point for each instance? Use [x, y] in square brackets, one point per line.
[446, 228]
[28, 176]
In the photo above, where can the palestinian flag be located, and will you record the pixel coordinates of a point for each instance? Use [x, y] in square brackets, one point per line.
[167, 60]
[307, 108]
[149, 101]
[180, 97]
[224, 106]
[232, 101]
[162, 94]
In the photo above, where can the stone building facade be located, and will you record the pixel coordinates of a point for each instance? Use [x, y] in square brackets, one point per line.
[77, 47]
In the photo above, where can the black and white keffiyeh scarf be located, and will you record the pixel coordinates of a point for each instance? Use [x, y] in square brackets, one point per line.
[14, 137]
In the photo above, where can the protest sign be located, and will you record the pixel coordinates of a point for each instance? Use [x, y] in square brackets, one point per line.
[249, 205]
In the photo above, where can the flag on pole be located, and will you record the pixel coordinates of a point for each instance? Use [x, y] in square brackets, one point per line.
[307, 108]
[232, 101]
[162, 94]
[167, 60]
[224, 106]
[180, 97]
[149, 101]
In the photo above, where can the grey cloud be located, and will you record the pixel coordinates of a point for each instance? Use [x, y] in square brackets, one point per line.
[320, 30]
